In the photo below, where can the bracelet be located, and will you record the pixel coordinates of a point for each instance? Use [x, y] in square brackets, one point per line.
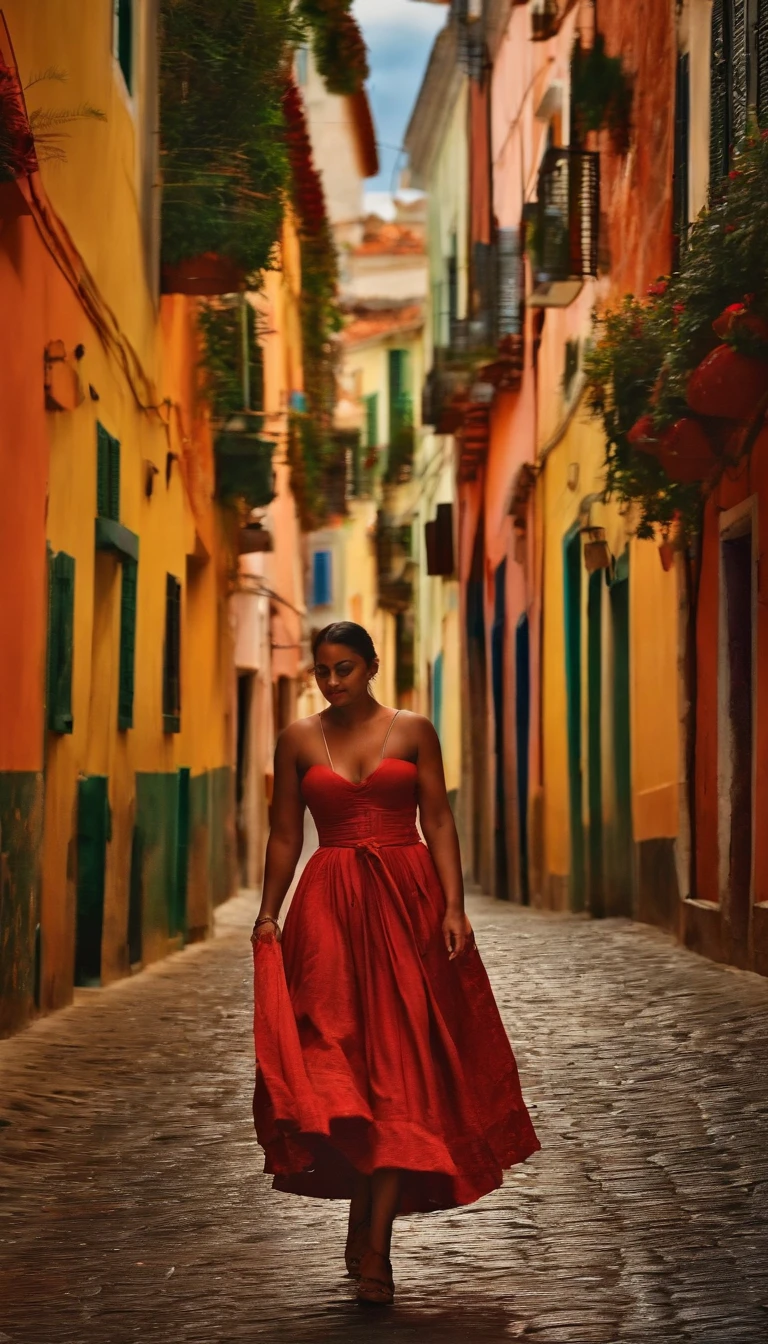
[266, 919]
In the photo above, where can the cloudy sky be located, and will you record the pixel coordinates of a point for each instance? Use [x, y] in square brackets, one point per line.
[399, 34]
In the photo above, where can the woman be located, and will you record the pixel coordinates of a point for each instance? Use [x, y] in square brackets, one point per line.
[384, 1073]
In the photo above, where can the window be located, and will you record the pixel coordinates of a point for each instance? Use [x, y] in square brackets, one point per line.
[61, 625]
[123, 39]
[127, 645]
[321, 579]
[107, 475]
[302, 66]
[372, 420]
[172, 656]
[759, 60]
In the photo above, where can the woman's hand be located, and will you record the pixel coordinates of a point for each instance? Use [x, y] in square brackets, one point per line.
[268, 932]
[456, 931]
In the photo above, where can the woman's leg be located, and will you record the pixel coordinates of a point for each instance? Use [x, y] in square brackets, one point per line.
[360, 1203]
[385, 1198]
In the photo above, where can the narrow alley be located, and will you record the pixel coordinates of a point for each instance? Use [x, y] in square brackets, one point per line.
[134, 1207]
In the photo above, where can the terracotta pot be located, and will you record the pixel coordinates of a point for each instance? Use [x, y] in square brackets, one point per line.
[736, 319]
[684, 450]
[204, 276]
[728, 385]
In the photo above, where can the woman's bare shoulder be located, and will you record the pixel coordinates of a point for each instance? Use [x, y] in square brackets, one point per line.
[295, 736]
[418, 726]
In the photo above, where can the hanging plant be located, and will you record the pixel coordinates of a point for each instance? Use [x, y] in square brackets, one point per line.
[601, 94]
[337, 43]
[697, 343]
[28, 139]
[224, 158]
[321, 320]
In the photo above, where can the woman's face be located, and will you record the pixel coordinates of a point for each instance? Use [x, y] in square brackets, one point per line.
[341, 674]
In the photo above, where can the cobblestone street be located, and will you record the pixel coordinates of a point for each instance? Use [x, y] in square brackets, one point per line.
[134, 1207]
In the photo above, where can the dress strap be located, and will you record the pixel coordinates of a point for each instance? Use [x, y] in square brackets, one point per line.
[389, 730]
[325, 740]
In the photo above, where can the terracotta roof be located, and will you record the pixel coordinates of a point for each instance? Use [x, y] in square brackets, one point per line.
[372, 324]
[389, 239]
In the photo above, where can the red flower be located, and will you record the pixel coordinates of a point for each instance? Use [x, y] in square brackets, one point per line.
[658, 288]
[734, 173]
[678, 307]
[729, 228]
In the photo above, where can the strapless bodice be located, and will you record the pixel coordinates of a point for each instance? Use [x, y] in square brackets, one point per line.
[381, 808]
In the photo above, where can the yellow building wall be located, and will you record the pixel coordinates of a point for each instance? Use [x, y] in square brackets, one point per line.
[139, 384]
[655, 740]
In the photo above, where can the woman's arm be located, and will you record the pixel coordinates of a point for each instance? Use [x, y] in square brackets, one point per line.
[440, 834]
[286, 836]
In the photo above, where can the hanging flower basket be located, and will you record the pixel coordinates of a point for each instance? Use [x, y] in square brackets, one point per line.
[728, 385]
[205, 276]
[684, 450]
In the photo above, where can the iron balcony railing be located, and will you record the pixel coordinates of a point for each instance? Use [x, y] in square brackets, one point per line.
[563, 225]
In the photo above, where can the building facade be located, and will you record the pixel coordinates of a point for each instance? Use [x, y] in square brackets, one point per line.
[117, 817]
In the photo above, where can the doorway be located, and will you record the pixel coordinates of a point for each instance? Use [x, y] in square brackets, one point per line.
[93, 834]
[572, 564]
[522, 735]
[622, 867]
[501, 873]
[736, 719]
[594, 743]
[477, 714]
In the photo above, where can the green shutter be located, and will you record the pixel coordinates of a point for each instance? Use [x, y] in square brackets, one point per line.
[400, 405]
[372, 420]
[127, 644]
[762, 62]
[739, 69]
[107, 475]
[94, 830]
[125, 40]
[61, 634]
[719, 94]
[172, 656]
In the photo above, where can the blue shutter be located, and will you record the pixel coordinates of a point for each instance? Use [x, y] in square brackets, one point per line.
[321, 579]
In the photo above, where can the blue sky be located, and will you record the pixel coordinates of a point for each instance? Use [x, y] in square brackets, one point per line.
[399, 34]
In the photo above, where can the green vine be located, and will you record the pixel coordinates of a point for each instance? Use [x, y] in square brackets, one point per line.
[644, 351]
[337, 43]
[223, 153]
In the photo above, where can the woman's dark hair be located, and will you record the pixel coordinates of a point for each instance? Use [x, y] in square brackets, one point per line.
[348, 633]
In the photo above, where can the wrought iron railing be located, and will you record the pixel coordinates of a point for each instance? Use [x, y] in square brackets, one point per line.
[562, 238]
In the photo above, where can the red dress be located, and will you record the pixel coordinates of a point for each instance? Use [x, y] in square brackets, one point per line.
[373, 1049]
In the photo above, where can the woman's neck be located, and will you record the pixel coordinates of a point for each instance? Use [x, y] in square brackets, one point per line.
[347, 716]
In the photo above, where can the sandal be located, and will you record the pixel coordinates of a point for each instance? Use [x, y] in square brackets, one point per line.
[376, 1286]
[356, 1247]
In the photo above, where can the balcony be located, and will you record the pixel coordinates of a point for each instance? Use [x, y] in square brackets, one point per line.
[563, 226]
[244, 463]
[394, 565]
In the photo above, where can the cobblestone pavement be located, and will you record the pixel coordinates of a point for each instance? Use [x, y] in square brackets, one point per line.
[133, 1206]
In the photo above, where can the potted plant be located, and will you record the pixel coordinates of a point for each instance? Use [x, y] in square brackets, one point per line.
[601, 94]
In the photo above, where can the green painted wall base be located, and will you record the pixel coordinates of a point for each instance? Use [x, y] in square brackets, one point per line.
[21, 833]
[184, 847]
